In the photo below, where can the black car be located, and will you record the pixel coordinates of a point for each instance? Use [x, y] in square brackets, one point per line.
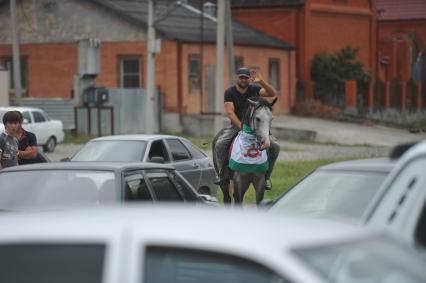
[63, 184]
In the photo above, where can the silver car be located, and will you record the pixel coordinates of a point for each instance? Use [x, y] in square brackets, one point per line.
[189, 160]
[181, 245]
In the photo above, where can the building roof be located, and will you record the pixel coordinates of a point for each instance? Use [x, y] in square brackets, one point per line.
[401, 9]
[265, 3]
[176, 20]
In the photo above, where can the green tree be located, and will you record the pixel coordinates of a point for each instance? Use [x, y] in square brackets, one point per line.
[330, 71]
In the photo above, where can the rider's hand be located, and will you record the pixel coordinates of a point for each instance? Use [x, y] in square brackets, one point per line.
[256, 77]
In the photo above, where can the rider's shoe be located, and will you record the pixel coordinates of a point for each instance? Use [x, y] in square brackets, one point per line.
[268, 185]
[221, 182]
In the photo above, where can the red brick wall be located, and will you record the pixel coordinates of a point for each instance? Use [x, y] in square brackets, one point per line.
[51, 68]
[386, 29]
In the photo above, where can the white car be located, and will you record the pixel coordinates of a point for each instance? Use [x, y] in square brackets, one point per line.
[48, 132]
[167, 244]
[400, 204]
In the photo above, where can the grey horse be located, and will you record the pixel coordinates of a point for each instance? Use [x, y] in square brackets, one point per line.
[258, 117]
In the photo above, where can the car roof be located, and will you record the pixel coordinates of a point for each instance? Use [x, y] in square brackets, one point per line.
[192, 224]
[384, 165]
[139, 137]
[19, 108]
[89, 165]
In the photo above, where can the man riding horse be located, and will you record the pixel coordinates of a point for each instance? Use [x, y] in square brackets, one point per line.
[236, 104]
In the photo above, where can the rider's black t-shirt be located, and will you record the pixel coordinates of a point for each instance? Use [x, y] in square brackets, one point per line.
[239, 99]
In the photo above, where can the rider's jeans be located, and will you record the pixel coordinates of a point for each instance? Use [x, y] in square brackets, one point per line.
[224, 139]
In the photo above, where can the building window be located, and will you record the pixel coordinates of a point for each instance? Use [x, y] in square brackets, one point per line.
[238, 62]
[130, 73]
[8, 62]
[194, 72]
[274, 73]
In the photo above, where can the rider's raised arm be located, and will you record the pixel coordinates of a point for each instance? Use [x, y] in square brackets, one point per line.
[267, 90]
[230, 112]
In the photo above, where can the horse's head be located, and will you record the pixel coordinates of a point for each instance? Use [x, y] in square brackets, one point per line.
[259, 118]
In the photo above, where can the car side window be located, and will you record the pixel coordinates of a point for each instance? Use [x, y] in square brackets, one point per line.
[136, 189]
[59, 263]
[178, 265]
[38, 117]
[27, 117]
[163, 188]
[195, 152]
[158, 152]
[186, 191]
[178, 150]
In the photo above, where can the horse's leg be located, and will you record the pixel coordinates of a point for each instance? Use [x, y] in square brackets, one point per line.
[259, 186]
[241, 185]
[226, 194]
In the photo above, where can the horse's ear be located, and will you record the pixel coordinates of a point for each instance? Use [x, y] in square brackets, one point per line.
[253, 102]
[273, 102]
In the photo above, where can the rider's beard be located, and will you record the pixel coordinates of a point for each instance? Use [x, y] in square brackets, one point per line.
[243, 85]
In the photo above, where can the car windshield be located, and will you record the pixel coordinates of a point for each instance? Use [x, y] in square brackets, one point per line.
[331, 193]
[47, 188]
[372, 260]
[124, 151]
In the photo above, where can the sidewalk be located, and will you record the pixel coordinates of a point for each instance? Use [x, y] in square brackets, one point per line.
[345, 133]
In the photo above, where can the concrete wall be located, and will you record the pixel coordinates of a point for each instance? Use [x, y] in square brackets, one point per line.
[4, 88]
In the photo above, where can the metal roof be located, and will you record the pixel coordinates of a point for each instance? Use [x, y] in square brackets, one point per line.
[176, 20]
[265, 3]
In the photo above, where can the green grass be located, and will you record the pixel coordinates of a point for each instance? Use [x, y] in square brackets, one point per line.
[71, 138]
[285, 175]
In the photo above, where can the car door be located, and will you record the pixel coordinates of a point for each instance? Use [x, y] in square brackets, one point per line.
[135, 188]
[183, 161]
[402, 209]
[162, 187]
[41, 126]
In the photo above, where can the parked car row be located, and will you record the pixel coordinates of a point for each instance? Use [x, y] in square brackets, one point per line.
[48, 132]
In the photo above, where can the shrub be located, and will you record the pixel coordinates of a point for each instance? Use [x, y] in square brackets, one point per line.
[330, 71]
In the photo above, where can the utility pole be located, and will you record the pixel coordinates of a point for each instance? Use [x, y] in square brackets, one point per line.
[15, 52]
[229, 42]
[220, 41]
[150, 76]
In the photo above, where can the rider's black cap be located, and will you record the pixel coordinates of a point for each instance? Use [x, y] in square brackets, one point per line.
[243, 72]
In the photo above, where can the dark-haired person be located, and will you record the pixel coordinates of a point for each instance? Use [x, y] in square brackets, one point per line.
[27, 144]
[8, 140]
[236, 103]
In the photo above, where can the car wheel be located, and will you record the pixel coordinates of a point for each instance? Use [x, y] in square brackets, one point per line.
[204, 191]
[50, 145]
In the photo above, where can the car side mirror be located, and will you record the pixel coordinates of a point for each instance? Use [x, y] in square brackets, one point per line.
[157, 159]
[66, 159]
[25, 121]
[266, 203]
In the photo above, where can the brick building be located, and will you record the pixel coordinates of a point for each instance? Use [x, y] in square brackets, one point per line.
[402, 41]
[314, 26]
[50, 29]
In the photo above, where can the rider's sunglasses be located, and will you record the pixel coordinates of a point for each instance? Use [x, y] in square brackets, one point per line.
[243, 78]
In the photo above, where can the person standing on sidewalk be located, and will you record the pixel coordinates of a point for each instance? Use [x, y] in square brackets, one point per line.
[236, 103]
[27, 144]
[8, 141]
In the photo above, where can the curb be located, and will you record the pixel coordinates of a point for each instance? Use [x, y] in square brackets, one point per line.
[293, 134]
